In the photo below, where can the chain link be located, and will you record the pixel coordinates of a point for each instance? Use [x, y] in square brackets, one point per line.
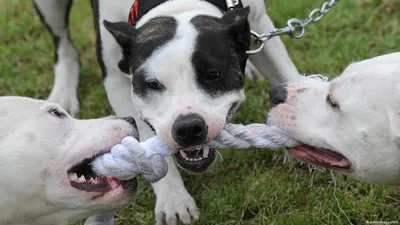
[295, 27]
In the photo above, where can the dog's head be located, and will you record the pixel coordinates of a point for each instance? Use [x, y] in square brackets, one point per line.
[46, 157]
[351, 124]
[186, 73]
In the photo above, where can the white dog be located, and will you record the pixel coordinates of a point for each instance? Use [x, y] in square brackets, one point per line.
[44, 164]
[177, 67]
[350, 124]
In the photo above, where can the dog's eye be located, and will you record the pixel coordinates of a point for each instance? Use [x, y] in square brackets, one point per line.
[154, 84]
[57, 113]
[213, 75]
[332, 103]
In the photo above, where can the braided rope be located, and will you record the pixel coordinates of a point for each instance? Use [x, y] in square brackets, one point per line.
[253, 135]
[131, 158]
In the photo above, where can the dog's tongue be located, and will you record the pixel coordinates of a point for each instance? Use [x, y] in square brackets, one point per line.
[319, 156]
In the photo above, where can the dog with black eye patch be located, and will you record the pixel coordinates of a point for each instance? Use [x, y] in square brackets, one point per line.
[177, 67]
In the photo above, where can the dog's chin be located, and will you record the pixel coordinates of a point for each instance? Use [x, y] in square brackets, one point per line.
[321, 157]
[196, 160]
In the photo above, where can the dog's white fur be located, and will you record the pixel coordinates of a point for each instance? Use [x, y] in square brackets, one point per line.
[366, 126]
[37, 149]
[174, 60]
[272, 62]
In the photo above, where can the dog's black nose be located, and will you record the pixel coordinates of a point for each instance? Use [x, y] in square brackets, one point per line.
[277, 94]
[131, 121]
[189, 130]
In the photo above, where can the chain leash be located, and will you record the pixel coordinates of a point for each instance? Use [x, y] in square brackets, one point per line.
[295, 27]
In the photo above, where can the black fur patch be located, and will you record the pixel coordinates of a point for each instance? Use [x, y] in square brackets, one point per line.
[218, 49]
[151, 36]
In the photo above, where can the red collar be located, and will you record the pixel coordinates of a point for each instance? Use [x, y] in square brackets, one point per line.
[134, 12]
[141, 7]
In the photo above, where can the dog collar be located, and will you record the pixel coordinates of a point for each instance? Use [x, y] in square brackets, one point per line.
[141, 7]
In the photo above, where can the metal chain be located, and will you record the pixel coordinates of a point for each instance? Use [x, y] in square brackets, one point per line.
[295, 27]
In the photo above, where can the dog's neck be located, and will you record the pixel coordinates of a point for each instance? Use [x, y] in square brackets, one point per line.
[179, 7]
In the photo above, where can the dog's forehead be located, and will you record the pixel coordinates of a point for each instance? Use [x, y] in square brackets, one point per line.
[20, 104]
[165, 57]
[366, 93]
[375, 74]
[213, 41]
[150, 37]
[183, 56]
[24, 107]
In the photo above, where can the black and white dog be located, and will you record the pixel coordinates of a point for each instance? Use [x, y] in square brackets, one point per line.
[177, 67]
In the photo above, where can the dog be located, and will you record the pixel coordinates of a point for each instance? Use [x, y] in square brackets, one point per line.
[350, 124]
[46, 177]
[177, 67]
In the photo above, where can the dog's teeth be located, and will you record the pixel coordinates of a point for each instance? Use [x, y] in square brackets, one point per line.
[73, 176]
[183, 154]
[198, 159]
[205, 151]
[82, 178]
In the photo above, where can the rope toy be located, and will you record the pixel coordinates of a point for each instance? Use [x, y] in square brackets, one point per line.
[131, 158]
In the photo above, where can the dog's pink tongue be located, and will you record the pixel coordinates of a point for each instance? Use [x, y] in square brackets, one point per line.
[319, 156]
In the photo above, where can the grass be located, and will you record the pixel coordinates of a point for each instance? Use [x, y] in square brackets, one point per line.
[247, 187]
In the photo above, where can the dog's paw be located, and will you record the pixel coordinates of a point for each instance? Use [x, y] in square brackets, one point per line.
[67, 100]
[175, 205]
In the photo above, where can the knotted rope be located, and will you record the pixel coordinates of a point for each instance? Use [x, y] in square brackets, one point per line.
[131, 158]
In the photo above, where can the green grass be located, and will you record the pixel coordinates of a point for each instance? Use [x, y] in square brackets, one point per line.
[247, 187]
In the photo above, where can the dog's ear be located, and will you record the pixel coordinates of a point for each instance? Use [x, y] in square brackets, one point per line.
[124, 33]
[238, 24]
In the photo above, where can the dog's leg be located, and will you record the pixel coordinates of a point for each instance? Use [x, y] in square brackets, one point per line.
[273, 61]
[101, 219]
[252, 72]
[55, 14]
[173, 200]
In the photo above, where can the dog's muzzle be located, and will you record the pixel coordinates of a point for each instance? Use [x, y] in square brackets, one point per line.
[189, 130]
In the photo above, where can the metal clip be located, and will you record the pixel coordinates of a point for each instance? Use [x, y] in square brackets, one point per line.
[231, 4]
[257, 41]
[295, 27]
